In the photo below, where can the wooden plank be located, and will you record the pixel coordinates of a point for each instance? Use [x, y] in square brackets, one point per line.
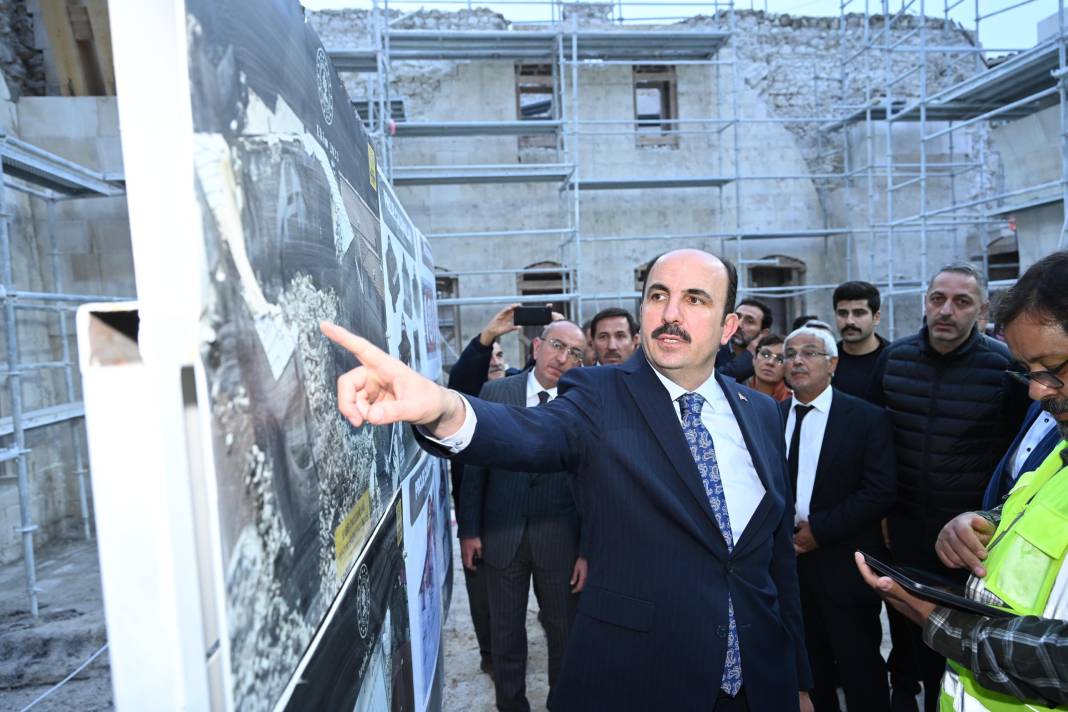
[62, 48]
[98, 20]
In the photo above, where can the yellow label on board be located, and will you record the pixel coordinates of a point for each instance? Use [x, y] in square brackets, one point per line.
[372, 166]
[351, 534]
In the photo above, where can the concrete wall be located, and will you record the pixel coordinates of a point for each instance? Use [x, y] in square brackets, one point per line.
[93, 257]
[1026, 153]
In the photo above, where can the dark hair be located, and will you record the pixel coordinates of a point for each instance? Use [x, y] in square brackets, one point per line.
[1042, 293]
[802, 320]
[732, 279]
[767, 319]
[610, 313]
[848, 291]
[769, 340]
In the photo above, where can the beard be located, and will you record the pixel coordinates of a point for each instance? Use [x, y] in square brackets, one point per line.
[1055, 407]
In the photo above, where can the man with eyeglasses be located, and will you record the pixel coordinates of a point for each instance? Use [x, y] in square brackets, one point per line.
[1015, 552]
[517, 526]
[841, 463]
[954, 411]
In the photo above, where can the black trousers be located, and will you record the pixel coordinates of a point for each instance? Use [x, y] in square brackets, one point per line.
[478, 600]
[509, 590]
[842, 636]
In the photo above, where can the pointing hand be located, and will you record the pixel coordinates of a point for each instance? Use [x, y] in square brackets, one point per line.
[383, 390]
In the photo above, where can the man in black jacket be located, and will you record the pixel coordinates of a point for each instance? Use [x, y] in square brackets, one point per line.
[954, 411]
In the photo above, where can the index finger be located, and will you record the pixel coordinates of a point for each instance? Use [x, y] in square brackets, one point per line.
[361, 348]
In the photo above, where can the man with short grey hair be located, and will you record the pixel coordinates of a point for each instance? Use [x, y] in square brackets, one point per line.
[954, 411]
[841, 463]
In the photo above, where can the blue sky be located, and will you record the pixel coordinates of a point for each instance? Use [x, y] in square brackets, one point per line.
[1014, 29]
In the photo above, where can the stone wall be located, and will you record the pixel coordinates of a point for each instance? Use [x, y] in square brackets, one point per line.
[20, 60]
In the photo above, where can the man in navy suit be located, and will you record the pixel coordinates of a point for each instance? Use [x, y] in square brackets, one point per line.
[691, 602]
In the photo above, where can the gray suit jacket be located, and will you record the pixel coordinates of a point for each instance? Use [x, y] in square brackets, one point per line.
[497, 505]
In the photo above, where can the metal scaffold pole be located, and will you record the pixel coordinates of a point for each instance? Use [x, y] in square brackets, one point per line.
[68, 373]
[888, 71]
[14, 381]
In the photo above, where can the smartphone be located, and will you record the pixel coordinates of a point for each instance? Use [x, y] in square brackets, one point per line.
[532, 316]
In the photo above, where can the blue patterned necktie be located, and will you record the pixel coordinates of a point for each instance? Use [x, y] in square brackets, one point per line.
[704, 454]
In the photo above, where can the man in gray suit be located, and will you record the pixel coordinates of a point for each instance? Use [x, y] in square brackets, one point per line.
[526, 525]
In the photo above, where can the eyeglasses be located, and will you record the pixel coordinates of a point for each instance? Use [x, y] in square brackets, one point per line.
[766, 355]
[1046, 378]
[805, 354]
[560, 347]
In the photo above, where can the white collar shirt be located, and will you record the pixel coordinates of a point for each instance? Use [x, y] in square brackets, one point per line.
[534, 388]
[813, 428]
[742, 487]
[1038, 430]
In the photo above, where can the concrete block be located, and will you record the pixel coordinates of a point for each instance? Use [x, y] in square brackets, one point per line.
[85, 270]
[71, 236]
[9, 117]
[107, 116]
[79, 150]
[57, 116]
[109, 154]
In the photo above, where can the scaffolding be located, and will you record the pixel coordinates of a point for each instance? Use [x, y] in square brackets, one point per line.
[886, 77]
[997, 92]
[46, 177]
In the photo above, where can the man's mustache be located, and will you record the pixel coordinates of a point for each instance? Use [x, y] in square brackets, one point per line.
[850, 329]
[671, 330]
[1055, 406]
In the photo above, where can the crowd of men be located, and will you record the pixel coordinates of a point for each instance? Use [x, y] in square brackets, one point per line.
[689, 509]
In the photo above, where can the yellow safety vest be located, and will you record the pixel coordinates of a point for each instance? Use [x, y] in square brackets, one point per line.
[1022, 565]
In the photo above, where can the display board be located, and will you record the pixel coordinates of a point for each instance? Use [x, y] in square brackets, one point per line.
[311, 526]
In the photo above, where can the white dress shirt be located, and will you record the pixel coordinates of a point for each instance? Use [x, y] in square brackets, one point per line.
[742, 487]
[534, 388]
[808, 454]
[1038, 430]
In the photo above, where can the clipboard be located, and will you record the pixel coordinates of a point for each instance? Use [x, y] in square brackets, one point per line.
[935, 590]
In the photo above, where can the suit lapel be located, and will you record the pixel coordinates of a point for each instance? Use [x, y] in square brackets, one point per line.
[758, 452]
[656, 407]
[517, 390]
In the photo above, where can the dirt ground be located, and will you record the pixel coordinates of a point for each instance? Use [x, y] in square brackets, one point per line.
[36, 654]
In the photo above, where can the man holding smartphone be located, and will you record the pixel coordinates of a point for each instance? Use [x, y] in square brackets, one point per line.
[517, 526]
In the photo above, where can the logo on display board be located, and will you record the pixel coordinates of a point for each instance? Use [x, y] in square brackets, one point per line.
[323, 78]
[363, 600]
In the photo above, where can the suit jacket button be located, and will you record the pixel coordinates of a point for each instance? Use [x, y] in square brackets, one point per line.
[721, 631]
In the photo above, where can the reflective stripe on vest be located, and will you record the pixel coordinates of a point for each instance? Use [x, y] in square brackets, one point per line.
[1023, 562]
